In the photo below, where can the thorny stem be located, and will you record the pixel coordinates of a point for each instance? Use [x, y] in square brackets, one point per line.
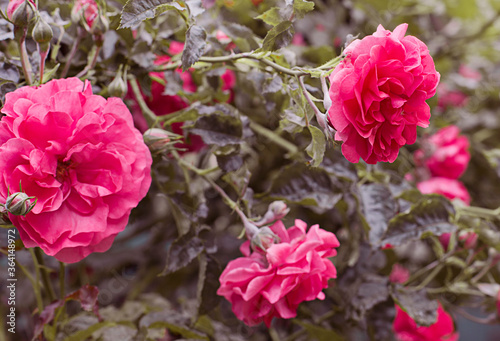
[45, 275]
[43, 56]
[24, 57]
[271, 135]
[72, 52]
[36, 285]
[148, 114]
[92, 63]
[250, 228]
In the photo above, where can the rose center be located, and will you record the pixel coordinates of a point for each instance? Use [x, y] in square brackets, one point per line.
[63, 168]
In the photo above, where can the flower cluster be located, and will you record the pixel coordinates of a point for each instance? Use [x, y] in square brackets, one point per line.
[81, 157]
[378, 94]
[261, 286]
[406, 329]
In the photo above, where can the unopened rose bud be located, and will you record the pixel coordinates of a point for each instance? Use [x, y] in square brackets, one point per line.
[118, 87]
[156, 139]
[42, 34]
[276, 211]
[100, 25]
[20, 12]
[263, 239]
[19, 203]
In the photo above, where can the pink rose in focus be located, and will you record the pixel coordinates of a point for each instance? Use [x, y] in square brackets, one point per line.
[450, 188]
[261, 287]
[399, 274]
[406, 329]
[445, 154]
[378, 93]
[81, 157]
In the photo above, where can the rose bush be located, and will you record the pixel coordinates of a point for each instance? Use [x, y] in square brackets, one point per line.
[378, 94]
[406, 329]
[81, 157]
[261, 287]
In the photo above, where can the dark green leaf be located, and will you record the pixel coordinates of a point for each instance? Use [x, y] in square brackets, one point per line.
[378, 208]
[219, 125]
[241, 35]
[8, 73]
[316, 149]
[182, 252]
[279, 36]
[230, 163]
[300, 184]
[174, 322]
[271, 16]
[194, 46]
[136, 11]
[416, 304]
[142, 55]
[208, 283]
[291, 122]
[429, 215]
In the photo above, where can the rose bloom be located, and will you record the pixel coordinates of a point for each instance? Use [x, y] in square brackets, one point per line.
[450, 188]
[263, 286]
[406, 329]
[378, 94]
[81, 157]
[399, 274]
[162, 104]
[445, 153]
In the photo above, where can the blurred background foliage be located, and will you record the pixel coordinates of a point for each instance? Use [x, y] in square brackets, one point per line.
[261, 143]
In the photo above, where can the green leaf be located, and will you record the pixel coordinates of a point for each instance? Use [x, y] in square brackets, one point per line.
[301, 7]
[136, 11]
[9, 73]
[182, 252]
[429, 215]
[279, 36]
[271, 17]
[194, 46]
[378, 207]
[219, 125]
[300, 184]
[195, 7]
[319, 333]
[416, 304]
[316, 149]
[208, 283]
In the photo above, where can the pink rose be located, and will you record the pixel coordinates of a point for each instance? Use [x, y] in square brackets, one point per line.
[378, 94]
[263, 286]
[445, 153]
[498, 303]
[406, 329]
[467, 238]
[450, 188]
[81, 157]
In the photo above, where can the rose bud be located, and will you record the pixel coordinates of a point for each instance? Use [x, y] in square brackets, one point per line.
[469, 238]
[118, 86]
[156, 139]
[19, 204]
[20, 12]
[264, 239]
[42, 34]
[85, 10]
[276, 211]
